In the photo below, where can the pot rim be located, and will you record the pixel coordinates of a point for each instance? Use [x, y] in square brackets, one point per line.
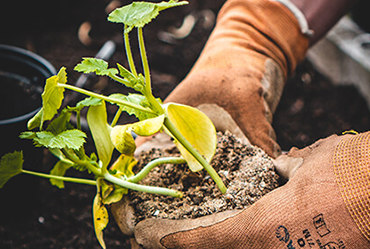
[33, 59]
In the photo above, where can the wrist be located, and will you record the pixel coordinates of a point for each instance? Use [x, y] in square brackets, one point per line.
[321, 15]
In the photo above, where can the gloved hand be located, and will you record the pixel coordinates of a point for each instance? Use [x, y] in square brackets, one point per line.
[325, 204]
[255, 45]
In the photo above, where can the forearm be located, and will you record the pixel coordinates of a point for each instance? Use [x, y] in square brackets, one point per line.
[321, 15]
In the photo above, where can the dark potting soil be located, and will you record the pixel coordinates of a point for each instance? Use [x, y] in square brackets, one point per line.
[310, 108]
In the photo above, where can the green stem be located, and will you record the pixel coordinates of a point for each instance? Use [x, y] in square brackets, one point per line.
[144, 59]
[96, 171]
[165, 160]
[142, 188]
[185, 143]
[102, 97]
[78, 118]
[116, 117]
[130, 59]
[120, 80]
[148, 85]
[62, 178]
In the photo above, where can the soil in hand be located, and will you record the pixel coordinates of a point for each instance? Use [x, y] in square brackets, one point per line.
[247, 171]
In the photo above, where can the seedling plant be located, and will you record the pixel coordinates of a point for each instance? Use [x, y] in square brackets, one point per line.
[191, 130]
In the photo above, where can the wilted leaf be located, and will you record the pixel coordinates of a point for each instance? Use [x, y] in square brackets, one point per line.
[138, 14]
[97, 120]
[10, 165]
[124, 165]
[35, 121]
[53, 95]
[149, 126]
[59, 169]
[122, 139]
[93, 65]
[197, 128]
[101, 219]
[110, 193]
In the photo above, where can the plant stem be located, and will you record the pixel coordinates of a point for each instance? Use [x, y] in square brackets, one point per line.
[130, 59]
[185, 143]
[111, 100]
[165, 160]
[120, 80]
[116, 117]
[96, 171]
[148, 86]
[144, 59]
[142, 188]
[78, 118]
[62, 178]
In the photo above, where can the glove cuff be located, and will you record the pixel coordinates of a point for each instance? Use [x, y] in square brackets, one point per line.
[277, 34]
[299, 15]
[351, 164]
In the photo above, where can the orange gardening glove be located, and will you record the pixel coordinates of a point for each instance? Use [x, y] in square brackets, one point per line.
[255, 45]
[325, 204]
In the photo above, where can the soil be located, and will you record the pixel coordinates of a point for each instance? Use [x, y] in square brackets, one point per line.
[247, 171]
[310, 108]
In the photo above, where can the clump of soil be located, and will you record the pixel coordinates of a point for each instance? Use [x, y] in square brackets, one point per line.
[247, 171]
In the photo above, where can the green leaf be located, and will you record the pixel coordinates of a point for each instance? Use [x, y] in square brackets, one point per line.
[137, 83]
[72, 139]
[90, 101]
[100, 130]
[135, 99]
[53, 95]
[28, 135]
[59, 169]
[197, 128]
[122, 139]
[59, 124]
[149, 126]
[93, 65]
[101, 219]
[138, 14]
[10, 165]
[125, 73]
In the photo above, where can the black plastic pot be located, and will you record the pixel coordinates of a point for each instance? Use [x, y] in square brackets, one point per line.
[22, 78]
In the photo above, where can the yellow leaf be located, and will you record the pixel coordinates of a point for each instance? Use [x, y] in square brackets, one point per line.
[122, 139]
[197, 128]
[124, 165]
[149, 126]
[100, 215]
[97, 120]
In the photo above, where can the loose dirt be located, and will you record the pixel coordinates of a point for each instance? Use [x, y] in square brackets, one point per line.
[247, 171]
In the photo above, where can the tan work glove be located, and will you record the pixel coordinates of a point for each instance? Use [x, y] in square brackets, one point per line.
[255, 45]
[326, 204]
